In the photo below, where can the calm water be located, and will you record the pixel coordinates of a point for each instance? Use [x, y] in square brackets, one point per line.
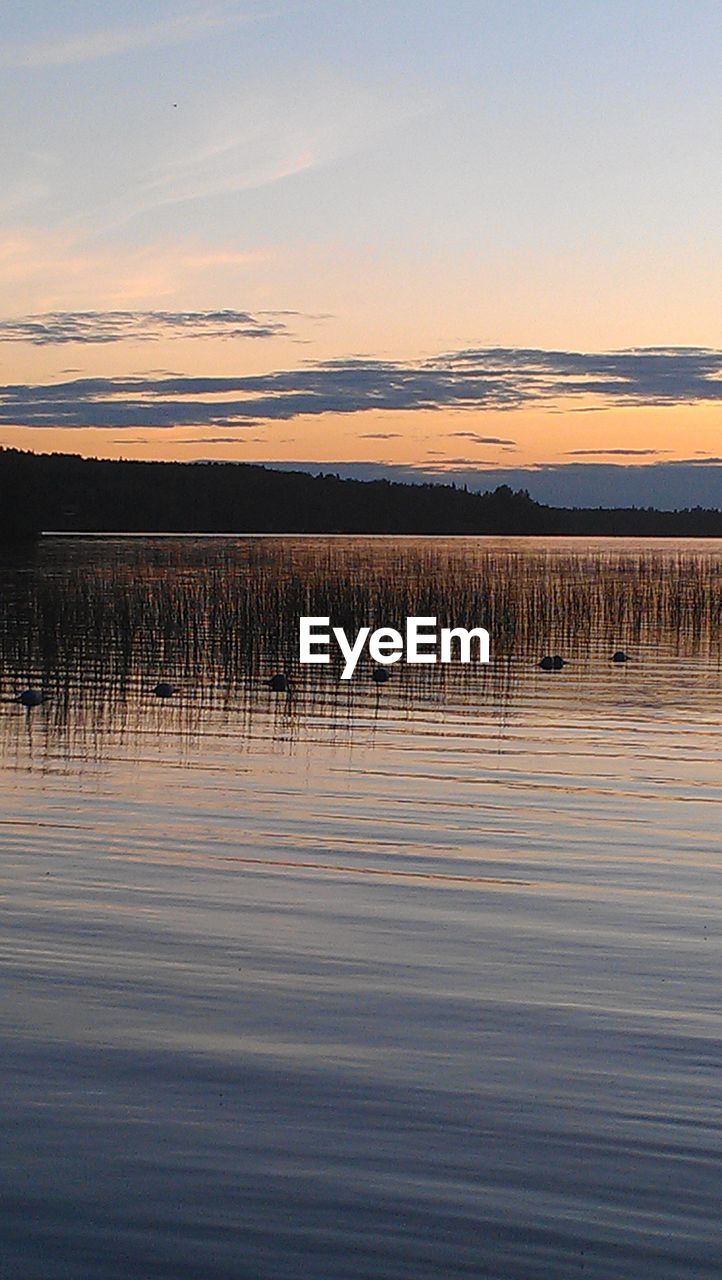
[403, 984]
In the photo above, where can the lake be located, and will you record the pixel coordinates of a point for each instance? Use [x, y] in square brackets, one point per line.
[410, 982]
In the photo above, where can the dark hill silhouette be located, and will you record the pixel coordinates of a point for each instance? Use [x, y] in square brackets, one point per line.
[64, 492]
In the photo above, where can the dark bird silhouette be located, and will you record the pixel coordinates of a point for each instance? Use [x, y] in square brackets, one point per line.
[620, 656]
[164, 690]
[380, 675]
[278, 682]
[30, 698]
[552, 663]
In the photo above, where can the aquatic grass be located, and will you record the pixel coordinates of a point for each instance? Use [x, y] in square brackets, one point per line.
[219, 614]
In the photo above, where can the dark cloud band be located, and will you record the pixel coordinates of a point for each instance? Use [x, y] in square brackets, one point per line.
[498, 378]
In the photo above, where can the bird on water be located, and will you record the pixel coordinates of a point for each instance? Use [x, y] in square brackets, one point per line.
[278, 682]
[380, 675]
[552, 662]
[30, 698]
[164, 690]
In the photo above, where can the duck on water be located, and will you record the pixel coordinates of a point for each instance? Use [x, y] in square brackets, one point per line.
[30, 698]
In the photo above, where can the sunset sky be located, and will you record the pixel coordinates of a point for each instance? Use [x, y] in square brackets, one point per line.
[471, 240]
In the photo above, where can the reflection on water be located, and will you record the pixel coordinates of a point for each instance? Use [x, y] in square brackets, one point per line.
[419, 981]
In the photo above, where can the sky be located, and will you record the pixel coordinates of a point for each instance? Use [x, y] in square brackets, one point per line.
[468, 241]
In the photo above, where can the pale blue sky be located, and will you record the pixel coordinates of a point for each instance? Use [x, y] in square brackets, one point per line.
[531, 124]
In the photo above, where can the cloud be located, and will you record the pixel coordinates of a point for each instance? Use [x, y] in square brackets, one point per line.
[642, 375]
[380, 435]
[694, 462]
[248, 134]
[85, 46]
[57, 271]
[493, 379]
[223, 440]
[477, 439]
[454, 463]
[93, 327]
[621, 453]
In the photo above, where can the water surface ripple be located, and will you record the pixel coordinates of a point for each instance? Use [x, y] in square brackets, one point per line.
[420, 982]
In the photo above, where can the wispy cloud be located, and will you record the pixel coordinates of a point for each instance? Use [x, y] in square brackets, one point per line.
[494, 379]
[62, 49]
[222, 440]
[58, 271]
[695, 462]
[100, 327]
[477, 439]
[616, 453]
[452, 464]
[256, 134]
[241, 438]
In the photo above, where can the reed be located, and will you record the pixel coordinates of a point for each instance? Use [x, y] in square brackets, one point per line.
[220, 613]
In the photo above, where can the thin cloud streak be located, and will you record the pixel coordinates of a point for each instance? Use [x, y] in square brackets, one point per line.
[615, 453]
[88, 46]
[477, 439]
[58, 271]
[223, 440]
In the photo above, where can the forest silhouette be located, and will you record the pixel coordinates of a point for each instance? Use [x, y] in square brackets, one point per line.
[67, 493]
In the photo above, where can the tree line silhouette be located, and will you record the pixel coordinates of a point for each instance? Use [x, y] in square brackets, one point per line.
[64, 493]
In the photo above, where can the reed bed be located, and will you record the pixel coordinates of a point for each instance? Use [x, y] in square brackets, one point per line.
[220, 613]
